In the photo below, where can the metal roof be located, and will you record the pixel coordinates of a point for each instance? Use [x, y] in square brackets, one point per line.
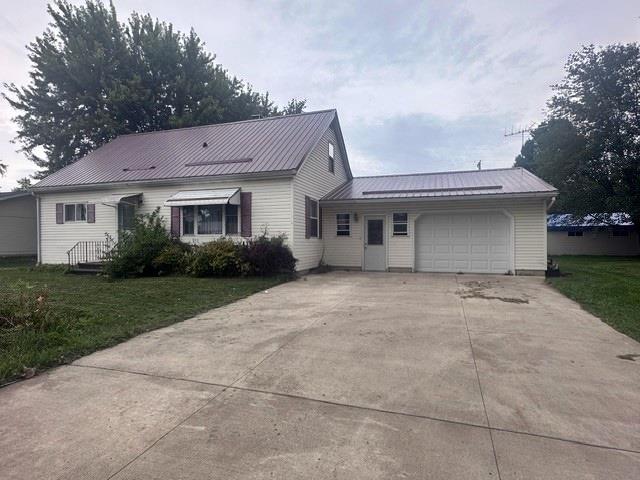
[567, 221]
[503, 181]
[10, 195]
[274, 144]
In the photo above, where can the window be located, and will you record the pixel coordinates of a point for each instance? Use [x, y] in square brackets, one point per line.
[400, 223]
[575, 233]
[313, 218]
[188, 220]
[343, 228]
[209, 219]
[619, 232]
[331, 158]
[75, 212]
[230, 219]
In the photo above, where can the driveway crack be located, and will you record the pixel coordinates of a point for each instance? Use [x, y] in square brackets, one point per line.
[475, 366]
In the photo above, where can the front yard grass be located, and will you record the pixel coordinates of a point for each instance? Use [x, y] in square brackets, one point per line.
[608, 287]
[91, 313]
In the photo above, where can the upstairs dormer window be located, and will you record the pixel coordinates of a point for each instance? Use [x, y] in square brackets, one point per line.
[331, 158]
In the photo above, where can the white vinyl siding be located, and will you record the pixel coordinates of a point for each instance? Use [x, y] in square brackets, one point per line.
[271, 211]
[18, 226]
[592, 242]
[315, 181]
[529, 218]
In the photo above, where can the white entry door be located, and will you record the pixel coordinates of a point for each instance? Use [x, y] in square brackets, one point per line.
[463, 242]
[375, 248]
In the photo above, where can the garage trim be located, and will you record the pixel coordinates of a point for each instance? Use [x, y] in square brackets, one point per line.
[512, 240]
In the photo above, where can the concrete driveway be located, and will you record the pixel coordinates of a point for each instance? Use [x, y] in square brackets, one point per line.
[347, 376]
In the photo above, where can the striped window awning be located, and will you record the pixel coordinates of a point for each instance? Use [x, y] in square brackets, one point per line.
[220, 196]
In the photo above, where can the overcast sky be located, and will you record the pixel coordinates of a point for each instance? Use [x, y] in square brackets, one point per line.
[419, 85]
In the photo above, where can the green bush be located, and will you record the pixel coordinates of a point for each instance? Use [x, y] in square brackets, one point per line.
[25, 307]
[137, 248]
[220, 258]
[173, 258]
[265, 256]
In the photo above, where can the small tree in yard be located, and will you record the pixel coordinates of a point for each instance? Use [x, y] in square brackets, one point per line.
[589, 146]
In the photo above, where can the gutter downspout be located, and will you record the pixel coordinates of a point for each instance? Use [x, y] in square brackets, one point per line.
[38, 227]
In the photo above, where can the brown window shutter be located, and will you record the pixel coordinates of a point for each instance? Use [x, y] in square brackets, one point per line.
[59, 212]
[91, 213]
[307, 223]
[245, 214]
[175, 221]
[319, 221]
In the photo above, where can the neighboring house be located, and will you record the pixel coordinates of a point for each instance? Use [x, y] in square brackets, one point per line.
[569, 235]
[290, 175]
[17, 224]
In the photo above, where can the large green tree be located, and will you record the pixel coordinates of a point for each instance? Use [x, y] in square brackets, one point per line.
[94, 77]
[589, 146]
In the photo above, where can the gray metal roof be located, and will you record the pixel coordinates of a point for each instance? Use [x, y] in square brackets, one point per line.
[10, 195]
[504, 181]
[274, 144]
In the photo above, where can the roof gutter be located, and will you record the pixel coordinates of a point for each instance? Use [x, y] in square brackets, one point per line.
[167, 181]
[487, 196]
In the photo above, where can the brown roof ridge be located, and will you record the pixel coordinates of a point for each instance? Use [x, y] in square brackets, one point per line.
[440, 173]
[237, 122]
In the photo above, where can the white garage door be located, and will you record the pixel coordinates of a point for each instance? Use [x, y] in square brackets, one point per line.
[463, 242]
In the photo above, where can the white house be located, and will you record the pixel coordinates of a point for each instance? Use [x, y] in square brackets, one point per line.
[290, 175]
[17, 224]
[570, 235]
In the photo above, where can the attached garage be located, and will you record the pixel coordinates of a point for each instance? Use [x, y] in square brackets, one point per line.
[463, 242]
[481, 221]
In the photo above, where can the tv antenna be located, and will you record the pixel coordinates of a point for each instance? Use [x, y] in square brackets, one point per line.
[518, 131]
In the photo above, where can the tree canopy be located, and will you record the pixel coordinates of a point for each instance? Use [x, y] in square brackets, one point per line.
[589, 146]
[94, 77]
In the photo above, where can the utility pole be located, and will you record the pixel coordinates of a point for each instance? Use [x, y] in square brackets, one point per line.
[519, 131]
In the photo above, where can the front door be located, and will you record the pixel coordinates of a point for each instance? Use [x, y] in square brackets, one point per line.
[126, 216]
[375, 249]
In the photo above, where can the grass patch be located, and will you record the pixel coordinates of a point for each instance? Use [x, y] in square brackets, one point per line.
[608, 287]
[90, 313]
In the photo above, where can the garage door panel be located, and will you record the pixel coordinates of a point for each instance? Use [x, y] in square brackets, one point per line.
[456, 242]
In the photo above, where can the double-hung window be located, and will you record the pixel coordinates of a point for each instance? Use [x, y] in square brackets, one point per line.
[400, 224]
[343, 224]
[75, 212]
[230, 219]
[313, 218]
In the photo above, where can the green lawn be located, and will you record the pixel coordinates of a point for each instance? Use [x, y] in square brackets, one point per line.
[91, 313]
[608, 287]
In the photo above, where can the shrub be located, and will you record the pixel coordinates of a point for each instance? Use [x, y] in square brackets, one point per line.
[136, 249]
[220, 258]
[25, 307]
[172, 259]
[267, 256]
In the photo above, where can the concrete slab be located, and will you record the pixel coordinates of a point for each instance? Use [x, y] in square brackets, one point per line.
[523, 457]
[403, 366]
[86, 423]
[220, 346]
[571, 389]
[247, 435]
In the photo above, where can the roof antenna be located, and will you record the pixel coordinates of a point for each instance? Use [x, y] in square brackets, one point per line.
[479, 165]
